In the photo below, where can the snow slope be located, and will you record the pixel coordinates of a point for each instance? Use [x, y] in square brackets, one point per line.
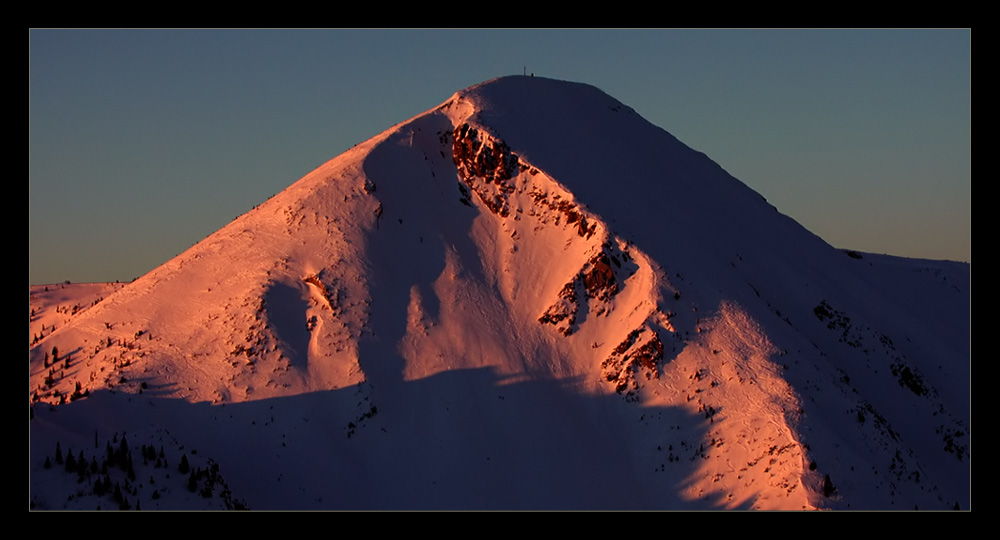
[526, 298]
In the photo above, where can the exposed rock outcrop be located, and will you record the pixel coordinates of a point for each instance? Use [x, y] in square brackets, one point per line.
[642, 348]
[485, 165]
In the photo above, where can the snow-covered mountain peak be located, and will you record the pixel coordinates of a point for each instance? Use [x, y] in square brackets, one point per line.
[530, 265]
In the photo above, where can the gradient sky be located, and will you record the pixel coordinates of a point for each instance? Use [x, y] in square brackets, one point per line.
[143, 142]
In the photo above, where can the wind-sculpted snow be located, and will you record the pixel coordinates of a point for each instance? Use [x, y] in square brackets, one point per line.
[526, 298]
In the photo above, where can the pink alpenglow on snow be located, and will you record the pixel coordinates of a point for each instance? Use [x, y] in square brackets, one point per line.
[528, 297]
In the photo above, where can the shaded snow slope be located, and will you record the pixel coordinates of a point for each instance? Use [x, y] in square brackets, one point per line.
[527, 297]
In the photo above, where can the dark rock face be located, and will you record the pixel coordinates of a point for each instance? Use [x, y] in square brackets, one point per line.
[909, 378]
[596, 279]
[599, 279]
[567, 210]
[485, 165]
[641, 348]
[838, 321]
[565, 309]
[485, 157]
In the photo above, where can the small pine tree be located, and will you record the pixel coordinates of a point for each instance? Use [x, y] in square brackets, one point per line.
[99, 487]
[123, 446]
[184, 467]
[59, 456]
[123, 457]
[828, 488]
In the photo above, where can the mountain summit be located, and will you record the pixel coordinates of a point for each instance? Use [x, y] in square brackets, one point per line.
[528, 297]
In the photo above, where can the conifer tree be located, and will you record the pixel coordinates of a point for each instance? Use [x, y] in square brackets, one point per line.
[70, 462]
[130, 471]
[99, 487]
[123, 457]
[123, 447]
[828, 488]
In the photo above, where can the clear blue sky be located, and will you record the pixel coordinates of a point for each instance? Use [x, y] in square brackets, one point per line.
[143, 142]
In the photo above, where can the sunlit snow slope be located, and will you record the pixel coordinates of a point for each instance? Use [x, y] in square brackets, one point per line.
[527, 297]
